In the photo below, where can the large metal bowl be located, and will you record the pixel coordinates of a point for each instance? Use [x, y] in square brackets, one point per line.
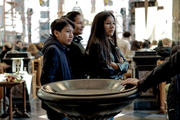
[88, 99]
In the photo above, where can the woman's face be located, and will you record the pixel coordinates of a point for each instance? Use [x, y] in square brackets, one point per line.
[109, 26]
[65, 36]
[79, 25]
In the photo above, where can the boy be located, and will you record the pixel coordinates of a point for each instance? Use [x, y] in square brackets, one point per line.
[55, 63]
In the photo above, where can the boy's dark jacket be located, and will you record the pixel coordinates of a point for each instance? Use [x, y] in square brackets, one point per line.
[55, 63]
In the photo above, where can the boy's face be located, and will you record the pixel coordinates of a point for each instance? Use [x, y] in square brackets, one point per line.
[65, 36]
[19, 44]
[79, 25]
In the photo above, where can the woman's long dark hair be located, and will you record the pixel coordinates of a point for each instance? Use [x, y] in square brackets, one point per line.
[98, 35]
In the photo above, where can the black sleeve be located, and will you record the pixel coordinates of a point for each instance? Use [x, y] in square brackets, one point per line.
[161, 73]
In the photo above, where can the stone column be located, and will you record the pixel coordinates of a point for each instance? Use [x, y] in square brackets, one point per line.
[176, 20]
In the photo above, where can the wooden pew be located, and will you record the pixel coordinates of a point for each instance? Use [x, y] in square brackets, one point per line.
[37, 68]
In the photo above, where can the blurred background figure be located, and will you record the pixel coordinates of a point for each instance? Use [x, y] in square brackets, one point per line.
[153, 44]
[146, 44]
[7, 47]
[39, 46]
[34, 51]
[124, 44]
[136, 45]
[164, 50]
[19, 46]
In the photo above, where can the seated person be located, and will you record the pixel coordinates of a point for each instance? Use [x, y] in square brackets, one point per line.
[7, 47]
[164, 50]
[19, 46]
[34, 51]
[124, 44]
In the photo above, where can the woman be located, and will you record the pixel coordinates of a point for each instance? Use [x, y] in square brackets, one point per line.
[105, 58]
[76, 53]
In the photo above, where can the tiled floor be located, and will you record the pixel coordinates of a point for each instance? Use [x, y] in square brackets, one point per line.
[127, 114]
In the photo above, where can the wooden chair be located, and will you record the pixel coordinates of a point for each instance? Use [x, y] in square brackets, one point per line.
[37, 68]
[162, 93]
[34, 84]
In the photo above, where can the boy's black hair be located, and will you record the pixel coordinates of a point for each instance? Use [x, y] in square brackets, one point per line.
[126, 34]
[59, 24]
[8, 48]
[18, 41]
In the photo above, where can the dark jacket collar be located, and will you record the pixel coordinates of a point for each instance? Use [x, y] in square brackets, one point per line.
[77, 39]
[53, 41]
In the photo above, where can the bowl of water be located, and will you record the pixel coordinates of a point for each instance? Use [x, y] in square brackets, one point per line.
[88, 99]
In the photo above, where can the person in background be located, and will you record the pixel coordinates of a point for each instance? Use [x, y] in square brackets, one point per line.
[136, 45]
[173, 97]
[55, 63]
[160, 44]
[34, 51]
[163, 72]
[164, 50]
[76, 54]
[7, 47]
[39, 46]
[19, 46]
[153, 45]
[105, 58]
[124, 44]
[146, 44]
[175, 43]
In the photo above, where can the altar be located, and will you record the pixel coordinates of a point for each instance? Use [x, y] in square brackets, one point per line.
[18, 61]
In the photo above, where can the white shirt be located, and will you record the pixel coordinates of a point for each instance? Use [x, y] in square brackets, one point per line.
[124, 46]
